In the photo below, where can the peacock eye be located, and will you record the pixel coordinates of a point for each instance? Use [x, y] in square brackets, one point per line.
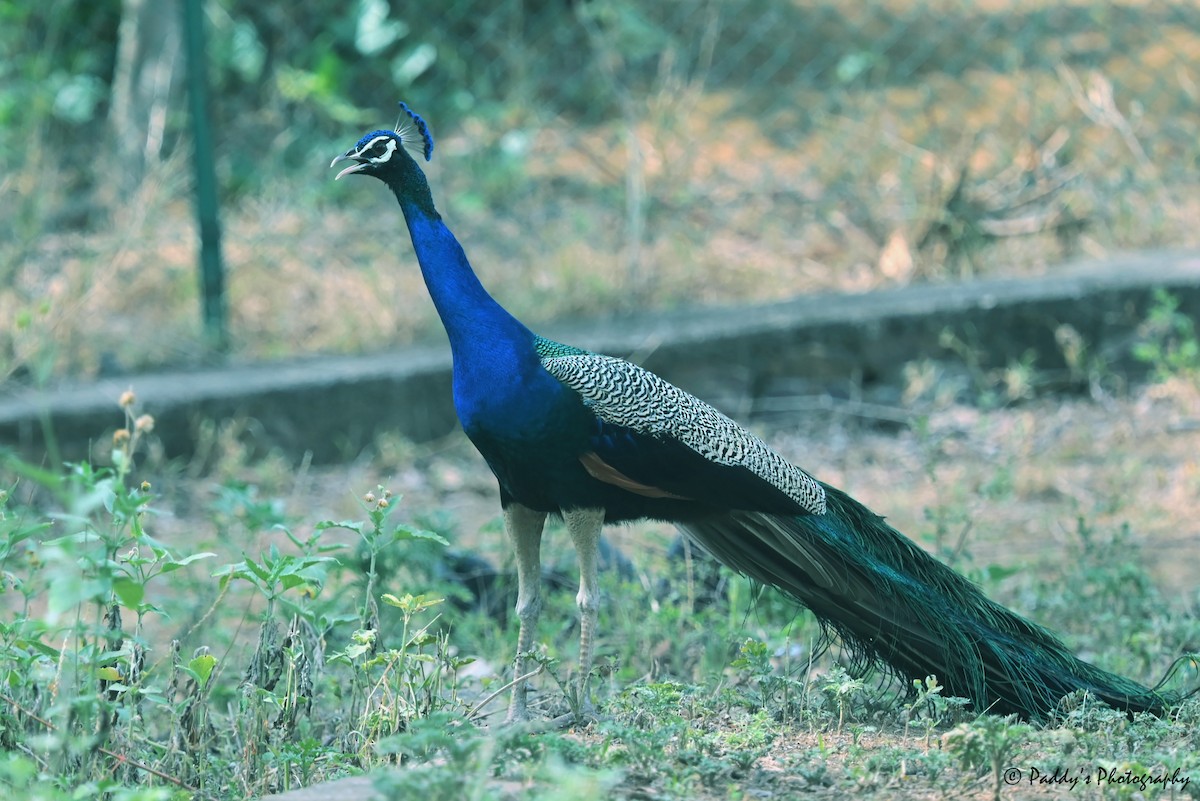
[379, 150]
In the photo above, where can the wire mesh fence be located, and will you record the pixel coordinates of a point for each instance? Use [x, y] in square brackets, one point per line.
[606, 154]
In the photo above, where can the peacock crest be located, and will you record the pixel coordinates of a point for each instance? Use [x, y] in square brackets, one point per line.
[414, 132]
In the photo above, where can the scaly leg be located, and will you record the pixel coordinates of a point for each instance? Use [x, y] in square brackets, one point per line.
[524, 527]
[584, 526]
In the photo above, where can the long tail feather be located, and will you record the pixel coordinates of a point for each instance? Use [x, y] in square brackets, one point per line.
[891, 602]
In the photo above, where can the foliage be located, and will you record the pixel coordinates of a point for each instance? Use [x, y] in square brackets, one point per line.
[1169, 344]
[990, 743]
[125, 673]
[88, 702]
[602, 156]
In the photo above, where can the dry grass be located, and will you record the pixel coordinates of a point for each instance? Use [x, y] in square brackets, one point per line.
[829, 191]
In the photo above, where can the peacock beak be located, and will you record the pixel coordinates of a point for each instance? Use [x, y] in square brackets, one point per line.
[359, 163]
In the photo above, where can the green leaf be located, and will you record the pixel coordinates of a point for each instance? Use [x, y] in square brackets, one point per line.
[374, 32]
[261, 571]
[69, 590]
[411, 603]
[78, 97]
[172, 565]
[349, 525]
[247, 571]
[997, 573]
[129, 592]
[20, 533]
[109, 674]
[203, 666]
[403, 532]
[83, 536]
[291, 581]
[357, 650]
[40, 647]
[288, 533]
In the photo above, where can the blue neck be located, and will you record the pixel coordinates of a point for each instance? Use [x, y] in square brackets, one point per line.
[500, 388]
[473, 319]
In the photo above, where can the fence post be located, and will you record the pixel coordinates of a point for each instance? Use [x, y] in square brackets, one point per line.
[212, 277]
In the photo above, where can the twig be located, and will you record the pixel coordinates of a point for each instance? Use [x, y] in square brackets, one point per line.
[505, 688]
[119, 757]
[1099, 105]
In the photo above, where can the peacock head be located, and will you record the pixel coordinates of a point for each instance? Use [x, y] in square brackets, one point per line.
[381, 152]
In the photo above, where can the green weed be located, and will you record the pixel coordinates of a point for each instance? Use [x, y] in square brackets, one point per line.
[988, 744]
[131, 670]
[1169, 344]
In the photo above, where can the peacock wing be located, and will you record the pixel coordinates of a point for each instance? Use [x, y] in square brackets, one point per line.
[655, 433]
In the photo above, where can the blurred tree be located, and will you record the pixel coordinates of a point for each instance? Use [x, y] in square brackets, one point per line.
[147, 70]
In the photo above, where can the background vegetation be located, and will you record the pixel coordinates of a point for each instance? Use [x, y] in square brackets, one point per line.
[594, 156]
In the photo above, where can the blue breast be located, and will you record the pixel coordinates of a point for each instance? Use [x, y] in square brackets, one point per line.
[509, 396]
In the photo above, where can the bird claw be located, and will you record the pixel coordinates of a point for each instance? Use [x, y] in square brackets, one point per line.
[567, 720]
[582, 717]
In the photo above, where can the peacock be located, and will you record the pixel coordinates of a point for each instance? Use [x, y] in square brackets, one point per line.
[596, 439]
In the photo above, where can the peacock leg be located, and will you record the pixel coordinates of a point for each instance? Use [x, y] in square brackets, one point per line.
[524, 527]
[584, 526]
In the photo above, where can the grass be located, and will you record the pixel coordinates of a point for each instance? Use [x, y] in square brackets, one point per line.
[257, 628]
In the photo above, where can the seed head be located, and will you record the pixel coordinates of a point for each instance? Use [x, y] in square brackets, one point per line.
[127, 399]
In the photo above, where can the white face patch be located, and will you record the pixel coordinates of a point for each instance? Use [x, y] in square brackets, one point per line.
[373, 145]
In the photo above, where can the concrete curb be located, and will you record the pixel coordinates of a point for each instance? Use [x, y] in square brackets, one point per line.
[332, 407]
